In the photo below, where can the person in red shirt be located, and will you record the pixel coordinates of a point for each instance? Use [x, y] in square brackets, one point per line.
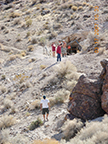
[53, 49]
[59, 51]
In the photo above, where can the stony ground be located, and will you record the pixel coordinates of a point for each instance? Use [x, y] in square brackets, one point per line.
[21, 26]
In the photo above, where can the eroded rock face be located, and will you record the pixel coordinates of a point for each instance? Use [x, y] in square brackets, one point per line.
[85, 99]
[89, 98]
[104, 97]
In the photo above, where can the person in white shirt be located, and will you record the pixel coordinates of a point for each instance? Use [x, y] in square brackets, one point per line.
[45, 106]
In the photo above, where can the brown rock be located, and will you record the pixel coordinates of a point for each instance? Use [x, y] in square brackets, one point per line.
[85, 99]
[104, 97]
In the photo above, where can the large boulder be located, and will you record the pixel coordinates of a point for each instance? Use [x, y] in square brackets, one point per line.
[104, 75]
[85, 99]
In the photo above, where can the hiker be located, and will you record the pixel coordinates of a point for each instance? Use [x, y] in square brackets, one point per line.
[45, 106]
[53, 49]
[64, 48]
[59, 51]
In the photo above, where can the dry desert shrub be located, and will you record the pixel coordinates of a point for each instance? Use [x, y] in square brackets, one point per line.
[3, 89]
[70, 128]
[11, 96]
[34, 41]
[93, 133]
[30, 48]
[46, 141]
[23, 54]
[28, 22]
[61, 96]
[17, 139]
[70, 85]
[14, 14]
[3, 77]
[7, 121]
[13, 57]
[52, 80]
[52, 101]
[34, 105]
[17, 21]
[65, 68]
[8, 103]
[74, 8]
[73, 76]
[35, 124]
[42, 67]
[28, 34]
[4, 136]
[80, 8]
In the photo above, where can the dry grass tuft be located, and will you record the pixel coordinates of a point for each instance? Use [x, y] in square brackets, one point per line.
[3, 77]
[34, 41]
[61, 96]
[28, 22]
[46, 141]
[42, 66]
[70, 128]
[94, 132]
[17, 21]
[30, 48]
[23, 53]
[28, 34]
[8, 103]
[17, 139]
[74, 8]
[65, 68]
[34, 105]
[52, 80]
[80, 8]
[3, 89]
[7, 121]
[70, 85]
[73, 76]
[13, 57]
[14, 15]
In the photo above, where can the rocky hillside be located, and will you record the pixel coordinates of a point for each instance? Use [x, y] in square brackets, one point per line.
[26, 73]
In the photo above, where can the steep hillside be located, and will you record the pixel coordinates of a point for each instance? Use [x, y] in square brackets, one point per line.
[27, 73]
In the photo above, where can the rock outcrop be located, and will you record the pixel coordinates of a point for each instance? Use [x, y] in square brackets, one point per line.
[85, 99]
[104, 97]
[89, 98]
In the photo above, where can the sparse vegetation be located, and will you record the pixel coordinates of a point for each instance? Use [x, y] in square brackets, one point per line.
[34, 41]
[3, 89]
[7, 121]
[8, 103]
[35, 124]
[28, 22]
[17, 21]
[14, 15]
[30, 48]
[42, 66]
[34, 105]
[74, 8]
[70, 128]
[3, 77]
[65, 68]
[12, 57]
[28, 34]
